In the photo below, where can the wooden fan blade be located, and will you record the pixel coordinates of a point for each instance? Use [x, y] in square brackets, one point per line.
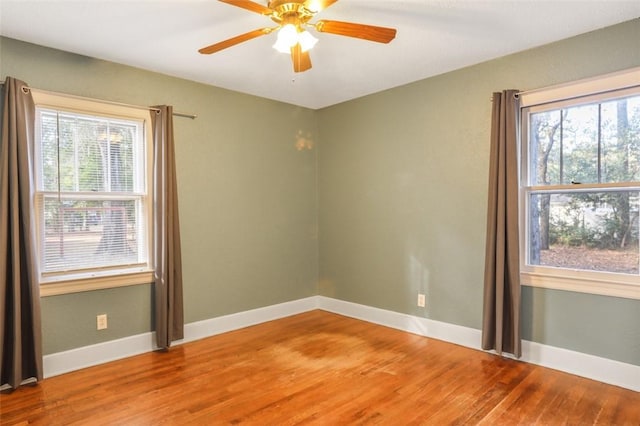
[249, 5]
[318, 5]
[301, 60]
[350, 29]
[234, 40]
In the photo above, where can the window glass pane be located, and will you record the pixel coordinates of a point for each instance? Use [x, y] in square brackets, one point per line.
[67, 159]
[90, 154]
[49, 151]
[594, 143]
[544, 147]
[621, 140]
[579, 145]
[82, 234]
[595, 231]
[122, 138]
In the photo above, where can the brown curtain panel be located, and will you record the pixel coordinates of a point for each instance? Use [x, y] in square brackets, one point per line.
[20, 333]
[169, 316]
[501, 317]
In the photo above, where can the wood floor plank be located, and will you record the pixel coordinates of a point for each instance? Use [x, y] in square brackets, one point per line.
[319, 368]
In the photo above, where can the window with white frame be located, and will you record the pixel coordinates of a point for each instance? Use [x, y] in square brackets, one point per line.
[92, 194]
[580, 189]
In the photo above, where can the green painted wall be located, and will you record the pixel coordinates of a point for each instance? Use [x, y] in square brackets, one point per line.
[69, 321]
[401, 183]
[247, 196]
[402, 189]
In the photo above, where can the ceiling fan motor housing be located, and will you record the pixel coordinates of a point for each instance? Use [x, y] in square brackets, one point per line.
[290, 12]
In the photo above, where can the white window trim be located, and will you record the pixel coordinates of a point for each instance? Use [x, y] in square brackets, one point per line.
[590, 86]
[592, 282]
[581, 284]
[73, 283]
[95, 283]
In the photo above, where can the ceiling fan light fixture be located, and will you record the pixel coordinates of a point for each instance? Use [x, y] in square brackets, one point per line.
[289, 35]
[287, 38]
[306, 40]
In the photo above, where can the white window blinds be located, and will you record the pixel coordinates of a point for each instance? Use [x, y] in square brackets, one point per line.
[91, 193]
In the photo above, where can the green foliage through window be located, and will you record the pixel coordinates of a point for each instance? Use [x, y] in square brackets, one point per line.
[583, 182]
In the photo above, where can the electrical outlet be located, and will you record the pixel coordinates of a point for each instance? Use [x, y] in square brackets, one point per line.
[101, 321]
[421, 300]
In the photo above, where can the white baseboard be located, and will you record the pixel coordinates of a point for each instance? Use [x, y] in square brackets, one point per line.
[452, 333]
[589, 366]
[211, 327]
[578, 363]
[100, 353]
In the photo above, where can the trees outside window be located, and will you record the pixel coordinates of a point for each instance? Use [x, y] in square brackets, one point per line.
[580, 186]
[584, 165]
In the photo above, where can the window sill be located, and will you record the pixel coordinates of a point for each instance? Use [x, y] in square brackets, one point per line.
[94, 283]
[582, 285]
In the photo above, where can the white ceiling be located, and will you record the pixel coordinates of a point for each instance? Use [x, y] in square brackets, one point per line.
[434, 36]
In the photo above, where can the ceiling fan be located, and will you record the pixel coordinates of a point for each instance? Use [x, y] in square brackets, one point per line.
[292, 17]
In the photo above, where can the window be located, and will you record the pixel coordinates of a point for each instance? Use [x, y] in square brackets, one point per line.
[92, 194]
[580, 192]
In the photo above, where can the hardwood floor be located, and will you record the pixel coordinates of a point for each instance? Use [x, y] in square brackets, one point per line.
[319, 368]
